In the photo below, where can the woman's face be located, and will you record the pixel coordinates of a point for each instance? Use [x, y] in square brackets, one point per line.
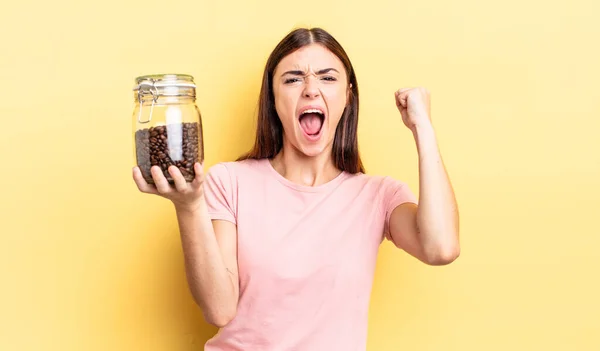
[311, 91]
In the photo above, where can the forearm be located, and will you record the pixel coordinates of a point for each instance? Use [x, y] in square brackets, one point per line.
[437, 216]
[211, 284]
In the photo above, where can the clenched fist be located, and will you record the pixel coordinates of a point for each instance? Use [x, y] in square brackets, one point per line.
[414, 106]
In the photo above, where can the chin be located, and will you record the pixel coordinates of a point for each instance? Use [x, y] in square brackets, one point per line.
[312, 151]
[311, 148]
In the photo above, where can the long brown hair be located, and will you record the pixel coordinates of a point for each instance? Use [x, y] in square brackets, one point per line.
[269, 131]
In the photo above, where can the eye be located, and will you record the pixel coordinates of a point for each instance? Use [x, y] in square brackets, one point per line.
[291, 80]
[329, 78]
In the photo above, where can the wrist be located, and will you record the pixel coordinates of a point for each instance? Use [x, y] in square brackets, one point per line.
[190, 208]
[423, 130]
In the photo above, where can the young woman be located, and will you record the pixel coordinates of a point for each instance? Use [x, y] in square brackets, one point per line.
[280, 246]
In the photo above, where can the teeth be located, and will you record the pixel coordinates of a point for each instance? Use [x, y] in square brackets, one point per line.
[313, 111]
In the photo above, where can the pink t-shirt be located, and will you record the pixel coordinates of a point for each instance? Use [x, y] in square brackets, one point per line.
[306, 255]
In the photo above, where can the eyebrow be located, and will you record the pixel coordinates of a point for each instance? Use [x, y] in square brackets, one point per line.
[302, 73]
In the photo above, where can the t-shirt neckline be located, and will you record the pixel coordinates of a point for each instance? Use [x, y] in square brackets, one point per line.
[305, 188]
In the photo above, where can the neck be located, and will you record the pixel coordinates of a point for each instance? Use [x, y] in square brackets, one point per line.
[305, 170]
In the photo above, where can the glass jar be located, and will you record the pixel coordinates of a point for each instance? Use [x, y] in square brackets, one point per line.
[167, 125]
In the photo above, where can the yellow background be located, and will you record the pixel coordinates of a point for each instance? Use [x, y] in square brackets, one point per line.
[89, 263]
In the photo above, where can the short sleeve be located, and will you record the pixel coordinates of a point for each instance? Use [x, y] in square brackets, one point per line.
[219, 192]
[395, 193]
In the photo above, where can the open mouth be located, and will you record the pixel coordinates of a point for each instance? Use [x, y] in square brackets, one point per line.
[311, 121]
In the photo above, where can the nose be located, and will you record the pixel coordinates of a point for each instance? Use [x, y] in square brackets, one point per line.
[311, 89]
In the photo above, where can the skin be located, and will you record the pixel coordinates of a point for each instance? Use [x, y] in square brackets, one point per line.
[429, 231]
[311, 76]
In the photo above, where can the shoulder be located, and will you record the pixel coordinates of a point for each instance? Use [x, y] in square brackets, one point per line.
[387, 191]
[233, 170]
[379, 183]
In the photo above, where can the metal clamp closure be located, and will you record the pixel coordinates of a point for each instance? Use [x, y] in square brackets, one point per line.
[147, 88]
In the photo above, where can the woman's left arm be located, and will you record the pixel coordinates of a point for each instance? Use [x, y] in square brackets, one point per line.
[429, 231]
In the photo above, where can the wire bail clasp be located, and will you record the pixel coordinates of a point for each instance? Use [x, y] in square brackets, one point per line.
[147, 88]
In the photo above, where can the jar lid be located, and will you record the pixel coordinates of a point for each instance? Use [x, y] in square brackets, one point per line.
[165, 85]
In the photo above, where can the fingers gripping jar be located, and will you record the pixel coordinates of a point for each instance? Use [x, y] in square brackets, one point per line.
[167, 125]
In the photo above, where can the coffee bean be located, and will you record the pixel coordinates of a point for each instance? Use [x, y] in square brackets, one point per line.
[152, 149]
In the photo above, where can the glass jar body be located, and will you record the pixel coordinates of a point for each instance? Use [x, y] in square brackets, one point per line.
[167, 132]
